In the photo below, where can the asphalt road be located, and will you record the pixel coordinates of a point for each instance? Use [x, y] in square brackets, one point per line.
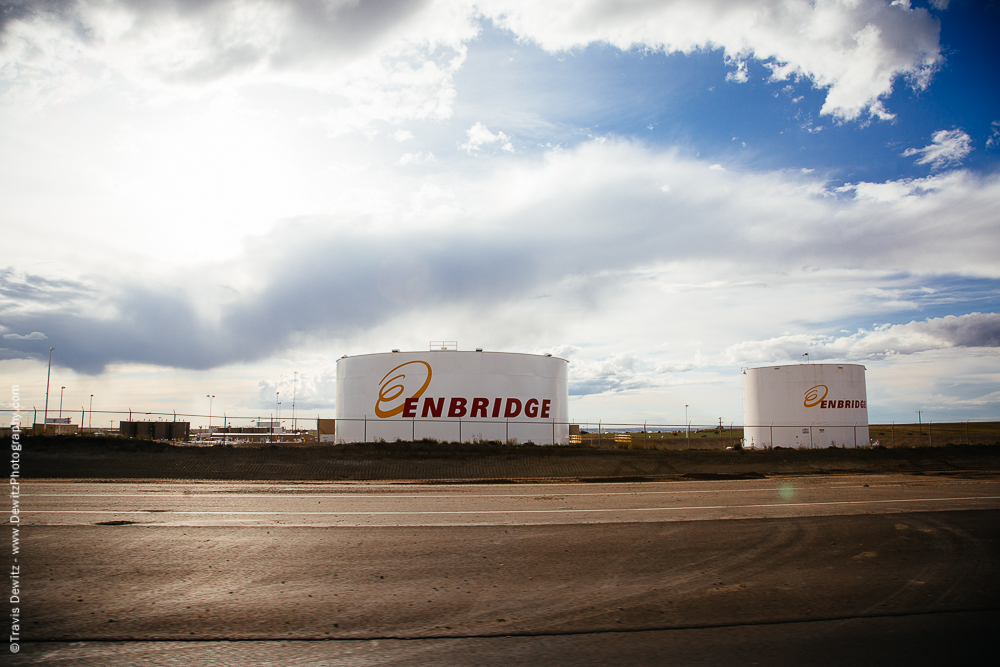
[826, 570]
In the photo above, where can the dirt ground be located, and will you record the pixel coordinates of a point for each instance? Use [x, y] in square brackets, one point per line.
[69, 457]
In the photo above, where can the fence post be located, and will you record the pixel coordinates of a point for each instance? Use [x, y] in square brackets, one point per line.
[772, 435]
[553, 430]
[506, 431]
[460, 429]
[366, 429]
[892, 434]
[930, 440]
[413, 430]
[855, 435]
[810, 435]
[967, 441]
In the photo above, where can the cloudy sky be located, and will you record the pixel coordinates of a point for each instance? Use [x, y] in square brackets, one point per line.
[208, 197]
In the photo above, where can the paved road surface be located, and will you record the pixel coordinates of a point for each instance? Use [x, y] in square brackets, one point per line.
[317, 504]
[826, 570]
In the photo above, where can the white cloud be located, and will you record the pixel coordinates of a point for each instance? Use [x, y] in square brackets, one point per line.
[994, 138]
[480, 135]
[701, 268]
[972, 330]
[737, 243]
[416, 158]
[244, 131]
[948, 148]
[34, 335]
[398, 63]
[617, 373]
[393, 64]
[897, 191]
[856, 49]
[741, 75]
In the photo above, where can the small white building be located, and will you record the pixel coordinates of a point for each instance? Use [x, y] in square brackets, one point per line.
[805, 405]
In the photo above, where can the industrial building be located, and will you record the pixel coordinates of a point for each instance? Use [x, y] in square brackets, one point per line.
[452, 395]
[805, 405]
[155, 430]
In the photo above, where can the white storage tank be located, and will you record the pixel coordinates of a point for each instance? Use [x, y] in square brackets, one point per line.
[805, 405]
[452, 396]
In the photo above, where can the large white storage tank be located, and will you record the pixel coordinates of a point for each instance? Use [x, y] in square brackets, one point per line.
[453, 396]
[805, 405]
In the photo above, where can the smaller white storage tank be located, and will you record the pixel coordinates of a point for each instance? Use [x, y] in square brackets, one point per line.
[805, 405]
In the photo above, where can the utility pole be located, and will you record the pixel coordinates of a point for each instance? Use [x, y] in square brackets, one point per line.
[687, 424]
[59, 428]
[90, 427]
[210, 398]
[48, 379]
[920, 424]
[295, 385]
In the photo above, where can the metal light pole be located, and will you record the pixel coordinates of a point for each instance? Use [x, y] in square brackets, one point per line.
[277, 410]
[90, 425]
[295, 384]
[48, 379]
[210, 397]
[687, 425]
[59, 430]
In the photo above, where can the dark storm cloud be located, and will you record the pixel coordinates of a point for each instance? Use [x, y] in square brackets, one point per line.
[599, 386]
[972, 330]
[329, 287]
[151, 326]
[38, 289]
[25, 10]
[12, 10]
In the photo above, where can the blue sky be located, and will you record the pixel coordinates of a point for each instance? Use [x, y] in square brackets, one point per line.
[209, 198]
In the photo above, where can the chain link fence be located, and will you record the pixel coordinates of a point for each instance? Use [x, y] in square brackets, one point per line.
[243, 430]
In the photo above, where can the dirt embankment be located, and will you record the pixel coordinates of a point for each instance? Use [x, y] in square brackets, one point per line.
[120, 458]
